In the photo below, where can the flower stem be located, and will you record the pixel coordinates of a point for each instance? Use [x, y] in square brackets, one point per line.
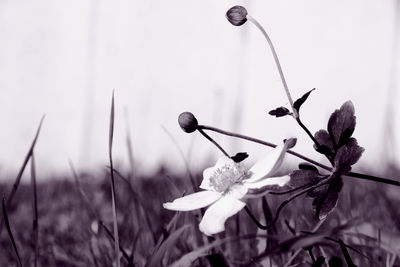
[322, 166]
[282, 205]
[213, 141]
[277, 62]
[255, 140]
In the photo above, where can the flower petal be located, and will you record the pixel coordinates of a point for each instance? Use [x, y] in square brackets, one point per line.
[215, 216]
[193, 201]
[209, 172]
[268, 165]
[281, 181]
[237, 191]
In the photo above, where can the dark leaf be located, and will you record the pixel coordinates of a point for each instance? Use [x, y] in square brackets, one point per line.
[307, 166]
[216, 260]
[347, 156]
[240, 157]
[318, 192]
[279, 112]
[325, 142]
[341, 124]
[319, 262]
[335, 261]
[297, 104]
[346, 254]
[324, 204]
[303, 177]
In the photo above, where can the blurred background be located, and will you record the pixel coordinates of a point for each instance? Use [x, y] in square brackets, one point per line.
[64, 59]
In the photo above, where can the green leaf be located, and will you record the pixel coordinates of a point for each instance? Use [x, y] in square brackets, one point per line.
[297, 104]
[341, 124]
[279, 112]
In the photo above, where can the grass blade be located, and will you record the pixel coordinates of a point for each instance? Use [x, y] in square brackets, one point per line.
[10, 233]
[35, 219]
[114, 209]
[21, 171]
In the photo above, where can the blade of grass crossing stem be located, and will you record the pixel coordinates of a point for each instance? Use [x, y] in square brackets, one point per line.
[35, 219]
[10, 233]
[21, 171]
[114, 208]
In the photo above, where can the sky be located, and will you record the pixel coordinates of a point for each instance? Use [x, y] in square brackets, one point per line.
[65, 58]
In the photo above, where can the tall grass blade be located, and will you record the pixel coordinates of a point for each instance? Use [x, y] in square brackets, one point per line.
[156, 258]
[21, 171]
[114, 209]
[124, 253]
[35, 219]
[10, 233]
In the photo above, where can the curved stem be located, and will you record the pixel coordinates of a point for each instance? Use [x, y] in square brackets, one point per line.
[261, 142]
[282, 205]
[322, 166]
[213, 141]
[277, 62]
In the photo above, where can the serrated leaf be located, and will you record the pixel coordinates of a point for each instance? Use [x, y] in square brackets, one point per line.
[325, 142]
[303, 177]
[239, 157]
[297, 104]
[341, 124]
[326, 203]
[279, 112]
[347, 156]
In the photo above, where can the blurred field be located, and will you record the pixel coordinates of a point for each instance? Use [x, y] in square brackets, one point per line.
[70, 233]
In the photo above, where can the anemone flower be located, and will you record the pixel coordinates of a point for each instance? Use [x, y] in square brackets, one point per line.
[226, 184]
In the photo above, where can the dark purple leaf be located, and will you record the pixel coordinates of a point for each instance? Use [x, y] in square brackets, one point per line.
[318, 192]
[279, 112]
[347, 156]
[319, 262]
[307, 166]
[240, 157]
[303, 177]
[335, 261]
[341, 124]
[297, 104]
[325, 142]
[325, 204]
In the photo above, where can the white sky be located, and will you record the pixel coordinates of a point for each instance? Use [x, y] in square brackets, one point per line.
[64, 58]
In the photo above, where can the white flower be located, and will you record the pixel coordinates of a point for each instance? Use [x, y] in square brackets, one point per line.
[226, 184]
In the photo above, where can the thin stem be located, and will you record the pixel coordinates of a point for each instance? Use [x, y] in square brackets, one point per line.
[282, 205]
[278, 64]
[373, 178]
[258, 141]
[322, 166]
[213, 141]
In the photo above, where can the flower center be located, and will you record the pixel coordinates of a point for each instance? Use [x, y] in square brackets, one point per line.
[227, 175]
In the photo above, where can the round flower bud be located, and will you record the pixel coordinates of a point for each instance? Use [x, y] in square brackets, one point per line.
[237, 15]
[188, 122]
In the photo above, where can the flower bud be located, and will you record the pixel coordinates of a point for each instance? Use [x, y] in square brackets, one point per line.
[237, 15]
[188, 122]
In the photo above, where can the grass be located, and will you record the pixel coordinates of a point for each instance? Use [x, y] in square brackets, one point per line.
[71, 231]
[115, 218]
